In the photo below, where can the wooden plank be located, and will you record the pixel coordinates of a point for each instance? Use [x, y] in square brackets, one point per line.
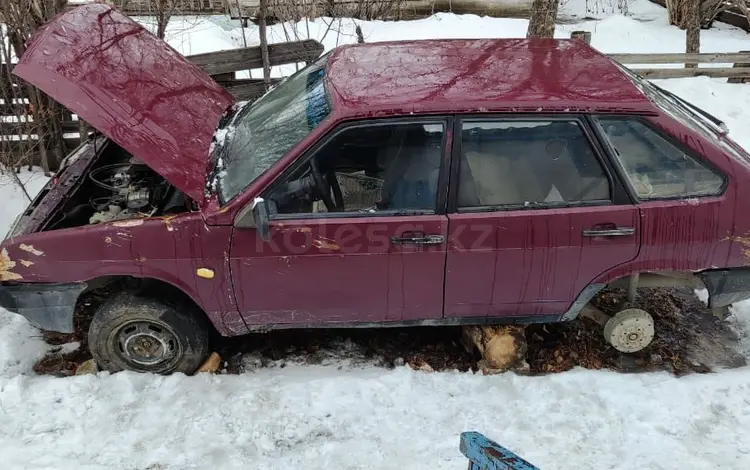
[232, 60]
[248, 89]
[16, 128]
[735, 18]
[412, 9]
[14, 110]
[679, 58]
[656, 74]
[484, 454]
[147, 7]
[26, 146]
[740, 79]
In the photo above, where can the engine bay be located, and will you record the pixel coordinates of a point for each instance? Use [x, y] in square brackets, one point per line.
[119, 187]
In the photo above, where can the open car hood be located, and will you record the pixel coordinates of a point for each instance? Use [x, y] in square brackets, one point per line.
[131, 86]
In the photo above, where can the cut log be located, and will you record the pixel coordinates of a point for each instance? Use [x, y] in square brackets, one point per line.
[211, 365]
[503, 347]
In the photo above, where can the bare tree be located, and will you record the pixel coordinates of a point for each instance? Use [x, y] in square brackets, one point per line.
[693, 32]
[163, 12]
[264, 43]
[542, 21]
[21, 18]
[708, 10]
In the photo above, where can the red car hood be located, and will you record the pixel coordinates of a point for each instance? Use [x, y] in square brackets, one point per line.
[132, 87]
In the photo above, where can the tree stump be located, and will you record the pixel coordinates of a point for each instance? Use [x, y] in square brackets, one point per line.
[503, 347]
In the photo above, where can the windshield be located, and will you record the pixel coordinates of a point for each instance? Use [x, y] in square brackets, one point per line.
[263, 132]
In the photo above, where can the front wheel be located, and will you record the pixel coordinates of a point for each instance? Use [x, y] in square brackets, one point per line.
[141, 334]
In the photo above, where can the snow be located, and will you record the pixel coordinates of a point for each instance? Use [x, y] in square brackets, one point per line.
[14, 201]
[347, 415]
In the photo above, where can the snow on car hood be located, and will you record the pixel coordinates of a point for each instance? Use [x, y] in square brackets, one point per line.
[131, 86]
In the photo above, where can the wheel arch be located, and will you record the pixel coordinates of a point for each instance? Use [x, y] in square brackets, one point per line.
[157, 288]
[648, 276]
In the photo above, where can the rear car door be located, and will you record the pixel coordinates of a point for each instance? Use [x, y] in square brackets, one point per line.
[379, 256]
[536, 213]
[681, 194]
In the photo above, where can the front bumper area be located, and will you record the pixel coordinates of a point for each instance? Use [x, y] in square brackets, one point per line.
[47, 306]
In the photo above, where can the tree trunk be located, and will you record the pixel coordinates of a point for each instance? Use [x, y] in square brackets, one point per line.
[163, 14]
[693, 32]
[83, 130]
[264, 43]
[21, 18]
[676, 12]
[542, 21]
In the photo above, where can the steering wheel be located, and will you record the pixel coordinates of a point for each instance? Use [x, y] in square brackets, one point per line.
[326, 184]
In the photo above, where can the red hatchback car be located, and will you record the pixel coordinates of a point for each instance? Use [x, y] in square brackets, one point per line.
[441, 182]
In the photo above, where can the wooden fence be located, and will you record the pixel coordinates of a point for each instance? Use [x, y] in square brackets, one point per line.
[739, 72]
[222, 66]
[365, 9]
[734, 66]
[149, 7]
[378, 9]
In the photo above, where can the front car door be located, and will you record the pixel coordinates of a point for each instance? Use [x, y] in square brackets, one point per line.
[536, 213]
[357, 231]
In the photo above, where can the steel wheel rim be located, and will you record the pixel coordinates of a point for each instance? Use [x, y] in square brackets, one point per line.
[147, 345]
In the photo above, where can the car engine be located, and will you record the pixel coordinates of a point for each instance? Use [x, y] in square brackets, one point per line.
[133, 190]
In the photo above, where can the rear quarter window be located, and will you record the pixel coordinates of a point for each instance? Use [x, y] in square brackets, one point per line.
[656, 167]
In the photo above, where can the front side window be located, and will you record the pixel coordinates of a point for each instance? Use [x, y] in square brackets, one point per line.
[266, 130]
[656, 167]
[528, 163]
[383, 168]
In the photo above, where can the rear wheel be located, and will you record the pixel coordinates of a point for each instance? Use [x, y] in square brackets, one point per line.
[141, 334]
[630, 330]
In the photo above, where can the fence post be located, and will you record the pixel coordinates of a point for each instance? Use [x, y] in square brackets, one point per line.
[584, 35]
[736, 66]
[358, 32]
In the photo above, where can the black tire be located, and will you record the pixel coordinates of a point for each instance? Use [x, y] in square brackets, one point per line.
[141, 334]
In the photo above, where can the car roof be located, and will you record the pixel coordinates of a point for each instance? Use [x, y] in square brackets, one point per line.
[478, 75]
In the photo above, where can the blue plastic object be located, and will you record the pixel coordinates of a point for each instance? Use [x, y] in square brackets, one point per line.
[484, 454]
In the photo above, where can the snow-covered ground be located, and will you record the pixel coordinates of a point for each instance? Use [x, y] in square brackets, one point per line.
[350, 417]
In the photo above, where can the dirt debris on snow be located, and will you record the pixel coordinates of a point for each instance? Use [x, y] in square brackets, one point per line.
[688, 340]
[59, 361]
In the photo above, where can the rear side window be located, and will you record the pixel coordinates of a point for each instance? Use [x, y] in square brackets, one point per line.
[532, 164]
[656, 167]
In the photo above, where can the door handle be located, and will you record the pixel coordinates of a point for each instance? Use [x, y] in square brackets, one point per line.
[423, 240]
[610, 232]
